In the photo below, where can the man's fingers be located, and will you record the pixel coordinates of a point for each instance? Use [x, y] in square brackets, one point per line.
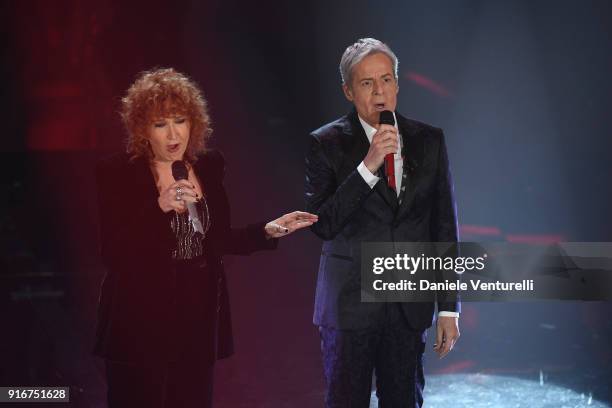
[446, 347]
[390, 148]
[389, 145]
[386, 128]
[386, 138]
[439, 339]
[385, 132]
[447, 344]
[442, 348]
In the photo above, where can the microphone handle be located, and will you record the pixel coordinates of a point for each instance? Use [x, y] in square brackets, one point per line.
[390, 170]
[194, 218]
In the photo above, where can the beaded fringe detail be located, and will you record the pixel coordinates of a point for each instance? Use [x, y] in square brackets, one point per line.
[189, 242]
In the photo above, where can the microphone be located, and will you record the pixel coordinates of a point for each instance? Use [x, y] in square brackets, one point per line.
[179, 172]
[386, 118]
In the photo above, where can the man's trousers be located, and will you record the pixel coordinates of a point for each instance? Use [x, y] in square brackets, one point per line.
[390, 349]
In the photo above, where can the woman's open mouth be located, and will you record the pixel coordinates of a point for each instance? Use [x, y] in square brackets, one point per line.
[173, 148]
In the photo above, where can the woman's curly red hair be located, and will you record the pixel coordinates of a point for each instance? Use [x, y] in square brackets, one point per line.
[161, 93]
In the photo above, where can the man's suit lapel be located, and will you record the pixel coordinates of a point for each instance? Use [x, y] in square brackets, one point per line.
[359, 146]
[354, 145]
[412, 154]
[390, 196]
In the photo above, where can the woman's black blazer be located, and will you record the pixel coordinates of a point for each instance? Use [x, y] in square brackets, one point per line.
[137, 306]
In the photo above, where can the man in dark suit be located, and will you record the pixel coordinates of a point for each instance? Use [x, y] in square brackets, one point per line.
[355, 203]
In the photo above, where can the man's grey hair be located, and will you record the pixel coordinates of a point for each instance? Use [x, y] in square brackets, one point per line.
[355, 53]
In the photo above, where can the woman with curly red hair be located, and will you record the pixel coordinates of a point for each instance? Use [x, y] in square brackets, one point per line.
[163, 317]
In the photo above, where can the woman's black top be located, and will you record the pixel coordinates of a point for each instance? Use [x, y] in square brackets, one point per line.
[146, 283]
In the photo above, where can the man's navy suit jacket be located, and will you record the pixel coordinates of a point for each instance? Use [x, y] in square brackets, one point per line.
[350, 212]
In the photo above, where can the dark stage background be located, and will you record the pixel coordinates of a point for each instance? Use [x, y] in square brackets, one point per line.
[522, 90]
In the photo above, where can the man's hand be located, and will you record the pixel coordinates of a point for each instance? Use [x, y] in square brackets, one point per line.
[447, 334]
[384, 141]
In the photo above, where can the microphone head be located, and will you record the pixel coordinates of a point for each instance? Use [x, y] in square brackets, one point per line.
[386, 118]
[179, 170]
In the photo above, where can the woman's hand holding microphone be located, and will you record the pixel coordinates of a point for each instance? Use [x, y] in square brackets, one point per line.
[175, 196]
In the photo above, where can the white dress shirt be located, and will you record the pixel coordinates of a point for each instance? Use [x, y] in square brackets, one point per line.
[372, 179]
